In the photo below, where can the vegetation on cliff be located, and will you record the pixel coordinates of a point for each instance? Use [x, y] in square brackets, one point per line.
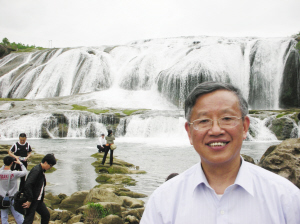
[19, 46]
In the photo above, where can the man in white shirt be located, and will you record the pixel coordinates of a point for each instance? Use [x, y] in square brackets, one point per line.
[102, 143]
[222, 188]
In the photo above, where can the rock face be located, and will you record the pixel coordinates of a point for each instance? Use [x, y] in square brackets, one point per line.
[284, 159]
[4, 51]
[282, 127]
[289, 91]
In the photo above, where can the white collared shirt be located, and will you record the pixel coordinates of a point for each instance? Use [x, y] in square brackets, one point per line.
[102, 141]
[258, 196]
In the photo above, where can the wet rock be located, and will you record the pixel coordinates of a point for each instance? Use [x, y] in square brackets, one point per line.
[138, 213]
[74, 201]
[248, 158]
[116, 179]
[132, 219]
[75, 219]
[53, 199]
[66, 215]
[102, 195]
[282, 127]
[111, 219]
[284, 159]
[132, 202]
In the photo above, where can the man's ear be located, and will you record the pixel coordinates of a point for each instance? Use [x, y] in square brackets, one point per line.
[188, 130]
[246, 125]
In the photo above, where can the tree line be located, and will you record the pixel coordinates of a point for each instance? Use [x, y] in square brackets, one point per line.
[17, 46]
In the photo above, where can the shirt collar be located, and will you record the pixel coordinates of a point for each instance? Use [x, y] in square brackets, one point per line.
[243, 179]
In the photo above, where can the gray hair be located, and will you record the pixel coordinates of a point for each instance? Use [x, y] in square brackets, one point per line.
[208, 87]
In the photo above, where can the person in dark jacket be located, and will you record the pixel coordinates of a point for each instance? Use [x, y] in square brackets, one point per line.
[34, 191]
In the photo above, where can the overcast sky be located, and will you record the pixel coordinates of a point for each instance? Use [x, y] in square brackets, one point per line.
[71, 23]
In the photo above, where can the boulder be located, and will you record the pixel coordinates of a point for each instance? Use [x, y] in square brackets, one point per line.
[132, 202]
[53, 199]
[111, 219]
[284, 159]
[102, 195]
[66, 215]
[248, 158]
[74, 201]
[132, 219]
[282, 127]
[54, 215]
[121, 191]
[138, 213]
[115, 179]
[75, 219]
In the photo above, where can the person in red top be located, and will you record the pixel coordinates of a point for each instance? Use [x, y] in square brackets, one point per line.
[22, 151]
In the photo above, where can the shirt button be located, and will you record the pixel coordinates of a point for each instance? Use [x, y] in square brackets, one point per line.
[222, 212]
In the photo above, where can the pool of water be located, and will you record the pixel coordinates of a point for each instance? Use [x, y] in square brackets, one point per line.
[158, 158]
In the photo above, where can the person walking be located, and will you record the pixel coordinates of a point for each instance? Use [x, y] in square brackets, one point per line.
[34, 191]
[9, 184]
[22, 151]
[102, 143]
[109, 140]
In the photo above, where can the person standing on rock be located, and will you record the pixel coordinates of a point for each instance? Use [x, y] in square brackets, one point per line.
[22, 151]
[9, 184]
[34, 191]
[222, 187]
[109, 140]
[102, 143]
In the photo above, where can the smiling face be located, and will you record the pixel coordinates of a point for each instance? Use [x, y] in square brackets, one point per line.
[218, 146]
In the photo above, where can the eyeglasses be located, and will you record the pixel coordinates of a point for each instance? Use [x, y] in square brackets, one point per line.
[224, 122]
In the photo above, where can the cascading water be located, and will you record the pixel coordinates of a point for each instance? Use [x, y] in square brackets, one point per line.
[151, 74]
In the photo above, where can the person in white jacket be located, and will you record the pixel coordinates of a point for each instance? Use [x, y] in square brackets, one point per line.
[10, 186]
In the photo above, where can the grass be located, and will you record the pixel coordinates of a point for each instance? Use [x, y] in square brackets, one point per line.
[98, 111]
[83, 108]
[95, 213]
[11, 99]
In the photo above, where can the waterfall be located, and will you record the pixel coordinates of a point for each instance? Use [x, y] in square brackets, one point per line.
[258, 130]
[172, 66]
[30, 124]
[154, 75]
[159, 125]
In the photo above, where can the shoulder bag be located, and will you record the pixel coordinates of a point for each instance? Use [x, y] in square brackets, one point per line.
[6, 202]
[113, 146]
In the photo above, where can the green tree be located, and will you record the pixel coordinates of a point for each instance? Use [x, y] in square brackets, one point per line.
[5, 41]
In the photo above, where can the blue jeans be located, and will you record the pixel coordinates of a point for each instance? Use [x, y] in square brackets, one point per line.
[4, 215]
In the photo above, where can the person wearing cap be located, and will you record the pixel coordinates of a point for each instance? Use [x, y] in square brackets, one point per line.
[102, 143]
[222, 187]
[9, 184]
[22, 151]
[34, 191]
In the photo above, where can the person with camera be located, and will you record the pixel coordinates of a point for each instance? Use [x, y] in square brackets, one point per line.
[9, 185]
[22, 151]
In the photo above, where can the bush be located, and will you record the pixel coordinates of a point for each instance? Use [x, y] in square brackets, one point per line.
[95, 212]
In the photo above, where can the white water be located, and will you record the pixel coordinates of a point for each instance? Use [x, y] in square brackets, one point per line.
[134, 70]
[154, 124]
